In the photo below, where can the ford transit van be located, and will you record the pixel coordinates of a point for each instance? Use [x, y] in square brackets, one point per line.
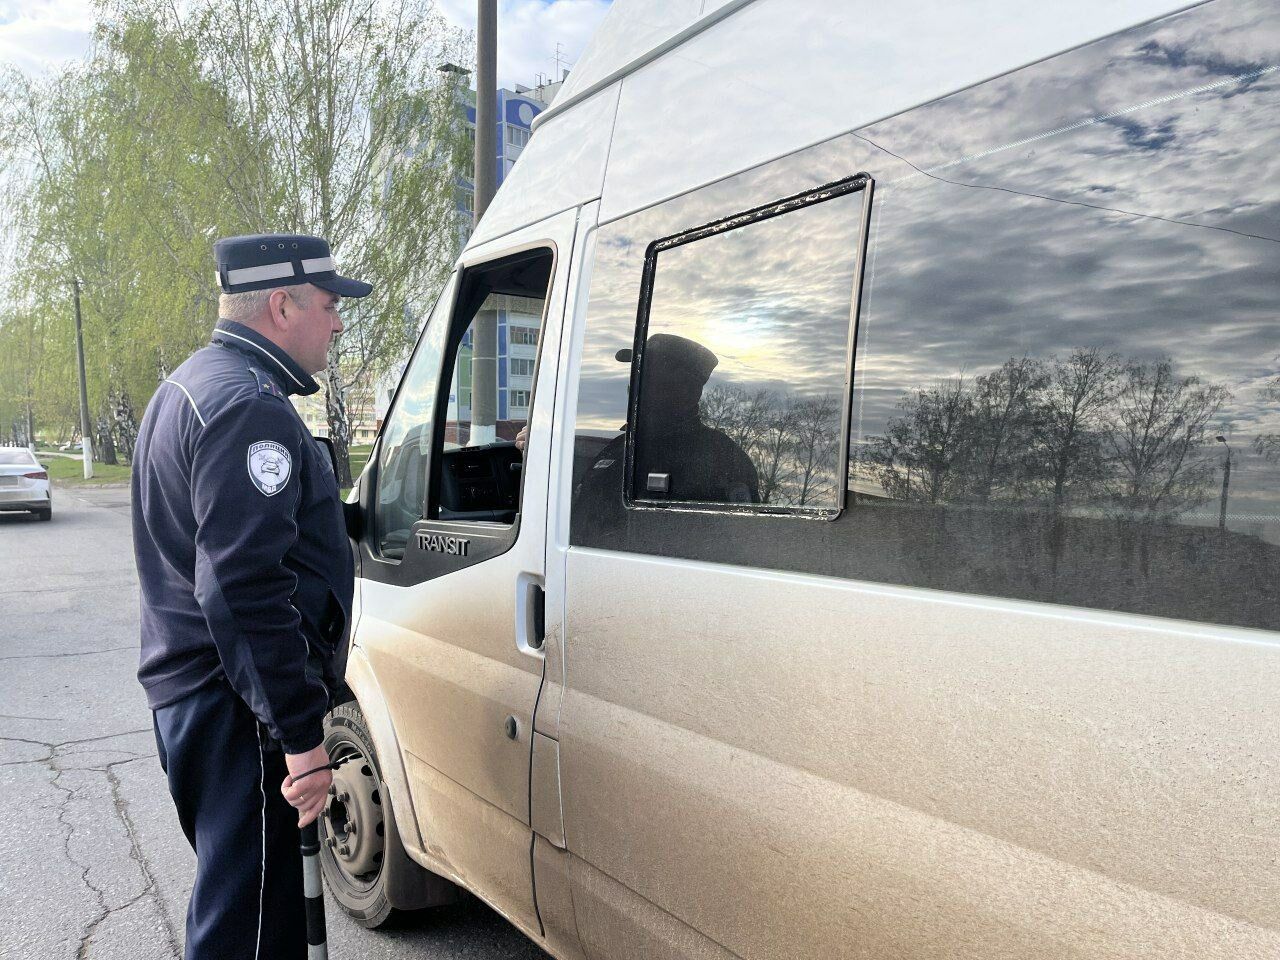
[892, 566]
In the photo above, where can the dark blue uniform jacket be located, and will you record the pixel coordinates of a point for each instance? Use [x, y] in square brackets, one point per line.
[243, 559]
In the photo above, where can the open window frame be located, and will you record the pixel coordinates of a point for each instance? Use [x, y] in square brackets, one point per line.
[472, 293]
[446, 536]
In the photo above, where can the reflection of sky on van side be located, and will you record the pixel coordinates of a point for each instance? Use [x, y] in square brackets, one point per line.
[1124, 196]
[1117, 77]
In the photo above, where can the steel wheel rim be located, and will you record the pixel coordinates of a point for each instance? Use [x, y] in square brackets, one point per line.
[352, 824]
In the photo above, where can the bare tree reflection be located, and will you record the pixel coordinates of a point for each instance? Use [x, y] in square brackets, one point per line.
[924, 453]
[739, 415]
[1129, 439]
[772, 452]
[1068, 437]
[1155, 437]
[1268, 444]
[793, 442]
[814, 451]
[1005, 413]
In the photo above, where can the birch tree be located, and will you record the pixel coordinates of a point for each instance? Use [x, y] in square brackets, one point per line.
[363, 135]
[188, 123]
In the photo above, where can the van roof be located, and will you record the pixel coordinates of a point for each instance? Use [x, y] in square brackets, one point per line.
[631, 34]
[636, 32]
[725, 85]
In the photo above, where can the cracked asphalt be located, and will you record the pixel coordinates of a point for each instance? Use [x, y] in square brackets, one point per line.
[95, 866]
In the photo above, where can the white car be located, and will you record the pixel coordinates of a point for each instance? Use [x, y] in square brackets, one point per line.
[24, 483]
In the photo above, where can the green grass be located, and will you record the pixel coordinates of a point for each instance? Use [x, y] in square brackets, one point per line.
[359, 456]
[72, 471]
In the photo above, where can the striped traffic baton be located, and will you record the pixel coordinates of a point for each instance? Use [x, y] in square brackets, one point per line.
[312, 888]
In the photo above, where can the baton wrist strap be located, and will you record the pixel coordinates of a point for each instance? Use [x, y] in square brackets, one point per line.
[324, 766]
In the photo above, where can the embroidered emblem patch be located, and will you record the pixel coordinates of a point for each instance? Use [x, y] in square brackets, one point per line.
[269, 466]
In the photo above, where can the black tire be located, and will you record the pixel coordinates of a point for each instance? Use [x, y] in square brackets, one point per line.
[44, 514]
[355, 861]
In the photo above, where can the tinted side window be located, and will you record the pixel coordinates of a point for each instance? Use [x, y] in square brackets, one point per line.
[1062, 313]
[1069, 356]
[743, 363]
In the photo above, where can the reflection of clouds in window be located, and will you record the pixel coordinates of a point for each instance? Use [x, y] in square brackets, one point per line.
[1113, 210]
[620, 247]
[1112, 75]
[770, 299]
[746, 351]
[963, 278]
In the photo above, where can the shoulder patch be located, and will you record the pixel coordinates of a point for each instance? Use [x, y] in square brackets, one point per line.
[269, 466]
[267, 386]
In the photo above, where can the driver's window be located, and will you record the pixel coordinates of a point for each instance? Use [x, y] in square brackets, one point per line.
[459, 449]
[492, 358]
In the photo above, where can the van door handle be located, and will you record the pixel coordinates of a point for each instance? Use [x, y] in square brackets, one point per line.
[538, 603]
[531, 615]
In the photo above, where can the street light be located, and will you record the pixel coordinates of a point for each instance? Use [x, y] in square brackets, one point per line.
[1226, 483]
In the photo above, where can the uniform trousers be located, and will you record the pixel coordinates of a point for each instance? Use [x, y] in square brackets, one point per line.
[225, 774]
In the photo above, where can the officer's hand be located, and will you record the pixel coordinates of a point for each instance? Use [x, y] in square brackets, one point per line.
[307, 795]
[522, 438]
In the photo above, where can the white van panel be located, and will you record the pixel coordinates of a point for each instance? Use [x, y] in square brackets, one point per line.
[629, 30]
[1017, 779]
[562, 167]
[722, 107]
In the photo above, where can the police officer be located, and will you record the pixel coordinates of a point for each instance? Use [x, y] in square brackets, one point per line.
[246, 585]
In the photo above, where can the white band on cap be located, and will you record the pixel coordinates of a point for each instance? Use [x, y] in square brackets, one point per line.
[270, 271]
[278, 271]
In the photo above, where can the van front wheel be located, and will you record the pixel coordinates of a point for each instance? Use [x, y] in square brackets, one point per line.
[357, 829]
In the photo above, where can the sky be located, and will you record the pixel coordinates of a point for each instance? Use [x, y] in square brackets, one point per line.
[36, 35]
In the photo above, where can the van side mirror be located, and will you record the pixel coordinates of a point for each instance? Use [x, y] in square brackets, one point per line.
[326, 443]
[354, 518]
[351, 513]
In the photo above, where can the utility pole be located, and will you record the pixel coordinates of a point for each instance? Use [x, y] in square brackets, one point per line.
[484, 358]
[86, 442]
[1226, 484]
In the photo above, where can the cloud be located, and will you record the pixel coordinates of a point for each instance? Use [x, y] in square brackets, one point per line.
[38, 34]
[528, 31]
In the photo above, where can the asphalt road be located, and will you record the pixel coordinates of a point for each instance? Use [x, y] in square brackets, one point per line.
[94, 866]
